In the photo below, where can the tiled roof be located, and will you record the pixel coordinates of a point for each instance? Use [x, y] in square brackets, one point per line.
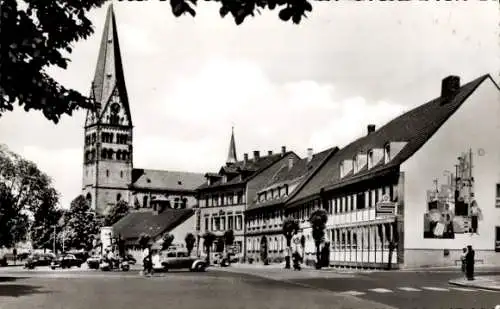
[299, 172]
[249, 169]
[134, 224]
[414, 127]
[166, 180]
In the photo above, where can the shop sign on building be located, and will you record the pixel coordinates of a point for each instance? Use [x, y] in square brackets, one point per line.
[384, 207]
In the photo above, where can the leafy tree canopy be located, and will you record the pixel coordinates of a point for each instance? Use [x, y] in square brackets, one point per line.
[40, 34]
[116, 212]
[318, 221]
[81, 224]
[167, 239]
[26, 197]
[190, 241]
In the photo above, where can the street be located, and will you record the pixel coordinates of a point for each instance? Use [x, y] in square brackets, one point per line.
[79, 289]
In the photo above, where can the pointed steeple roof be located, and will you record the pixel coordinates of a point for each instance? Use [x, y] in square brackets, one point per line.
[109, 77]
[231, 156]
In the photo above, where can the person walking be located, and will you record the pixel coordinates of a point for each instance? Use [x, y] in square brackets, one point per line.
[469, 263]
[462, 259]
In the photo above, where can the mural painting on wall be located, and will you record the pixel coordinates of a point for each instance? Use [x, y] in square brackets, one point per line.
[451, 206]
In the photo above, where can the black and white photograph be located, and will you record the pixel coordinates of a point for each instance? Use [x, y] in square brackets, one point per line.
[250, 154]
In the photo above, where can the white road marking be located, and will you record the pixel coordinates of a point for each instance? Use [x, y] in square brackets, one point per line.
[431, 288]
[409, 289]
[381, 290]
[464, 289]
[353, 293]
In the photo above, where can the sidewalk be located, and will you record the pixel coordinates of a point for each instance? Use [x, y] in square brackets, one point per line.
[278, 271]
[480, 282]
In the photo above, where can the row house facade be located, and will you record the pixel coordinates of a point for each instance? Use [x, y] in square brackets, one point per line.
[223, 198]
[417, 190]
[265, 214]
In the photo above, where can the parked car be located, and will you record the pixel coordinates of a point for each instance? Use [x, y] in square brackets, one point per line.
[178, 260]
[130, 259]
[3, 261]
[66, 261]
[94, 261]
[36, 260]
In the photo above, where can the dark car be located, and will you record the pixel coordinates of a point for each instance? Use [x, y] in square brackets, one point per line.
[94, 261]
[66, 261]
[180, 260]
[3, 261]
[130, 259]
[36, 260]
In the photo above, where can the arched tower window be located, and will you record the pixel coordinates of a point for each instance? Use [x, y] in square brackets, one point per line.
[118, 197]
[119, 155]
[184, 203]
[104, 153]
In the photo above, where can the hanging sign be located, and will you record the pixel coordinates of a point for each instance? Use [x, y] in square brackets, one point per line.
[385, 207]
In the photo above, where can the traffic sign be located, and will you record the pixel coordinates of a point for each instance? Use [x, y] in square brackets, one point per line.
[385, 207]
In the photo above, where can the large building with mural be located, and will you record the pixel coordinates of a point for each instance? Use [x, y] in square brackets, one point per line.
[419, 189]
[108, 171]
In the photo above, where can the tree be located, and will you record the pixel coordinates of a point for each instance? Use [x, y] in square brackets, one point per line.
[318, 221]
[228, 240]
[190, 240]
[45, 218]
[167, 240]
[290, 228]
[80, 224]
[25, 192]
[116, 212]
[144, 241]
[208, 240]
[39, 34]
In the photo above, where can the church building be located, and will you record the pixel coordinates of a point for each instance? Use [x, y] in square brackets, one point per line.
[108, 172]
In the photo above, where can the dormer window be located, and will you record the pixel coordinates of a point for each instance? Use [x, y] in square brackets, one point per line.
[387, 153]
[346, 167]
[359, 162]
[370, 159]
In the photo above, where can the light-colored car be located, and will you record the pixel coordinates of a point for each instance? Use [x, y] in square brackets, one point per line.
[165, 261]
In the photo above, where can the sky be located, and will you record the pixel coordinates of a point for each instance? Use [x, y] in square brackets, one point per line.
[314, 85]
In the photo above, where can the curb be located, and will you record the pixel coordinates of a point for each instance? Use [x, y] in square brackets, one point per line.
[472, 285]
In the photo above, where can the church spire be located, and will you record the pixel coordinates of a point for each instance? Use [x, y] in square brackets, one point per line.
[109, 77]
[231, 156]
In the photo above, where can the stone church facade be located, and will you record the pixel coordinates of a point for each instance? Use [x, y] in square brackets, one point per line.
[109, 175]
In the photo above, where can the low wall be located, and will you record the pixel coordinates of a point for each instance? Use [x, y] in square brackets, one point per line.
[437, 258]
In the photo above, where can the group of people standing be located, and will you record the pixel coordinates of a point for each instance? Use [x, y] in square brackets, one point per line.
[468, 262]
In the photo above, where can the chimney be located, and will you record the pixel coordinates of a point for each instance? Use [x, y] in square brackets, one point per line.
[370, 128]
[449, 88]
[256, 155]
[309, 154]
[290, 163]
[270, 153]
[283, 150]
[245, 157]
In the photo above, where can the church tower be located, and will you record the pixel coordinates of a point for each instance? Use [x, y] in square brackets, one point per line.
[107, 167]
[231, 156]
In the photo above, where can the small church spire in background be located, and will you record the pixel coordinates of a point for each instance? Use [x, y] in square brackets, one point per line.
[231, 156]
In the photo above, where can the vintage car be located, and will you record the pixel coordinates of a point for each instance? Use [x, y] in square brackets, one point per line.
[165, 261]
[94, 261]
[66, 261]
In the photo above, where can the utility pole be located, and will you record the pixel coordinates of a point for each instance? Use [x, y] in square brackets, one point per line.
[54, 243]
